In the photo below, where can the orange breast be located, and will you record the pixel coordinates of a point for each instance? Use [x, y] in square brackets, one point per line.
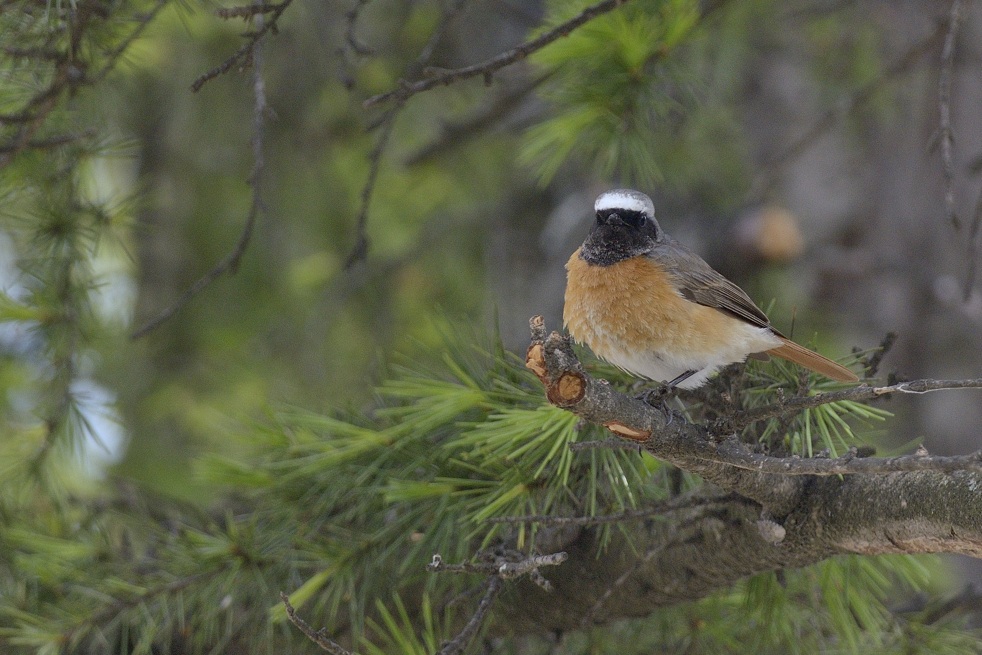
[633, 306]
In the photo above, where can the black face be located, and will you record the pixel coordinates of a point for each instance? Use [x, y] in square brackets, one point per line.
[620, 234]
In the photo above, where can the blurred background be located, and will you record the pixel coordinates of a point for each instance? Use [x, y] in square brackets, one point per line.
[796, 145]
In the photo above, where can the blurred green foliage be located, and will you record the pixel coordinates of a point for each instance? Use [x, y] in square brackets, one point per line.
[266, 440]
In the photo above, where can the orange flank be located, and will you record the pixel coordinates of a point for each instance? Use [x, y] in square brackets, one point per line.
[630, 314]
[632, 305]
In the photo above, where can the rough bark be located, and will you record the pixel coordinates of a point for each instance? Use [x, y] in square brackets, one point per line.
[769, 521]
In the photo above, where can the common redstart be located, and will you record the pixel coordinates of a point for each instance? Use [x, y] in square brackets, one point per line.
[647, 304]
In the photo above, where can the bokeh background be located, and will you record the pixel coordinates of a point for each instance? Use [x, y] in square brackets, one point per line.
[796, 145]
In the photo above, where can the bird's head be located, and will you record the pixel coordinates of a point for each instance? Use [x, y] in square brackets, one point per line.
[625, 227]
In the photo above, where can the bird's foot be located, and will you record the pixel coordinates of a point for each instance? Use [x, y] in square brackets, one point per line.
[659, 398]
[658, 395]
[663, 393]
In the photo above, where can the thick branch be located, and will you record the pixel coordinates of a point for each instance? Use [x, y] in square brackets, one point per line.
[713, 452]
[697, 548]
[685, 557]
[778, 484]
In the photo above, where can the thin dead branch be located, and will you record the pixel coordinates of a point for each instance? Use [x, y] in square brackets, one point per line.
[406, 89]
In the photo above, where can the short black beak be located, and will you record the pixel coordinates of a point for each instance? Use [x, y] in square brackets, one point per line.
[614, 220]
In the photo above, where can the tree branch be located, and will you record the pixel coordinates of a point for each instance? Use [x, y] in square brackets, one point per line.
[499, 567]
[319, 637]
[454, 135]
[794, 512]
[407, 89]
[360, 248]
[860, 393]
[709, 549]
[713, 452]
[246, 53]
[230, 263]
[946, 136]
[735, 453]
[457, 645]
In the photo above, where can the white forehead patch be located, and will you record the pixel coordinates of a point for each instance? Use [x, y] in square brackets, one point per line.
[625, 199]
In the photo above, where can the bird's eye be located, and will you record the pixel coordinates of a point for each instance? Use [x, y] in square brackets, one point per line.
[635, 219]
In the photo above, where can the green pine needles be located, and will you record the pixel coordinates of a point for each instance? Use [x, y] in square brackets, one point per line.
[345, 512]
[612, 88]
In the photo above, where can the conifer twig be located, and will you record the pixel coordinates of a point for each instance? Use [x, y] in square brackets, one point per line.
[688, 501]
[319, 637]
[714, 452]
[860, 393]
[406, 89]
[142, 22]
[360, 248]
[247, 52]
[68, 74]
[498, 567]
[230, 263]
[459, 643]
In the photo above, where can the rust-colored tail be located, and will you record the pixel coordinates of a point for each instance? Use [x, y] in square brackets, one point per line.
[812, 360]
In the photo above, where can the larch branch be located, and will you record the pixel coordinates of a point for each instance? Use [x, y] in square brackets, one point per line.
[407, 89]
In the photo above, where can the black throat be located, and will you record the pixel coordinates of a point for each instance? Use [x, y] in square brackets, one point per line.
[607, 245]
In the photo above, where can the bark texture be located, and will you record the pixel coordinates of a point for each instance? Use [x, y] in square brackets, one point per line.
[767, 521]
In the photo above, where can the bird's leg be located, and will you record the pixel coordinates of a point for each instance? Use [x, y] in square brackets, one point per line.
[660, 395]
[680, 379]
[665, 390]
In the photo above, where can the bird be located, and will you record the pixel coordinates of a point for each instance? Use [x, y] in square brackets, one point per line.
[648, 304]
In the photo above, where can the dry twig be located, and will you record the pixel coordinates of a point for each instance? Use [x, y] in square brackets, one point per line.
[407, 89]
[319, 637]
[459, 643]
[230, 263]
[386, 123]
[945, 133]
[247, 53]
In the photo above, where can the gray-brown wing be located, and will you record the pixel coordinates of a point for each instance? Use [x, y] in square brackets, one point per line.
[698, 282]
